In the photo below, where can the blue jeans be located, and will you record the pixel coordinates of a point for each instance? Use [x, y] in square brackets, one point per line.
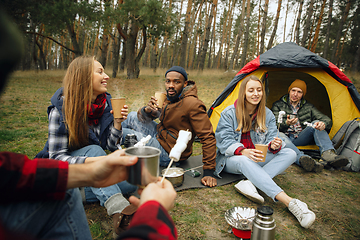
[308, 136]
[102, 194]
[132, 125]
[261, 173]
[61, 220]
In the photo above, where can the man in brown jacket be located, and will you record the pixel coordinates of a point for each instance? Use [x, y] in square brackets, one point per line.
[182, 110]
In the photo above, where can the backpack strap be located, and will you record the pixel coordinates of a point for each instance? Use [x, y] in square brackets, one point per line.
[349, 127]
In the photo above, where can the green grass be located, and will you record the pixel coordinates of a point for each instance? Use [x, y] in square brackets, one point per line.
[198, 213]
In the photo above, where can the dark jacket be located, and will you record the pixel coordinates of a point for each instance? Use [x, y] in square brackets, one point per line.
[187, 113]
[306, 113]
[105, 121]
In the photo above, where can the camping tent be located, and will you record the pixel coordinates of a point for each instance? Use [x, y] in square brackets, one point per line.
[329, 89]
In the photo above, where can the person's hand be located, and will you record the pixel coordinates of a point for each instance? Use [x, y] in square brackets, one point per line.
[209, 181]
[152, 105]
[162, 192]
[291, 122]
[106, 171]
[319, 126]
[253, 154]
[276, 143]
[118, 121]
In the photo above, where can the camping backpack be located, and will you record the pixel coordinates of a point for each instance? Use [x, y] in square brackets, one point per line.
[347, 143]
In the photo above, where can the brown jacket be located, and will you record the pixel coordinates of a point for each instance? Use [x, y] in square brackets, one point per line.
[187, 113]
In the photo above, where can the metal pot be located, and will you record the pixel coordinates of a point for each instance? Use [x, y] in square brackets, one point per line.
[146, 170]
[175, 175]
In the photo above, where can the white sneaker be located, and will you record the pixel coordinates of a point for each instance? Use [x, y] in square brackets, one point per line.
[248, 189]
[302, 213]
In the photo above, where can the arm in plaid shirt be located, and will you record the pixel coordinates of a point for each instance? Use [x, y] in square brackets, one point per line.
[58, 142]
[151, 221]
[24, 179]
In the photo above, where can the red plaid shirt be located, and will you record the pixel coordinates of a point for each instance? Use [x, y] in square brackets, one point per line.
[22, 179]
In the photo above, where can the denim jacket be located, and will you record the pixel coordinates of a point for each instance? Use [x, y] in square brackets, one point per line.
[228, 139]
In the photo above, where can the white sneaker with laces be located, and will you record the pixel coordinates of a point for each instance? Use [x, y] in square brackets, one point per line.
[302, 213]
[248, 189]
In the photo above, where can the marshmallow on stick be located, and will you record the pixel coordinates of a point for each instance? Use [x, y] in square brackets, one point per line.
[280, 119]
[180, 145]
[143, 141]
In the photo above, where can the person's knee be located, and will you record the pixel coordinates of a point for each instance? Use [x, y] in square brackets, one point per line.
[291, 154]
[95, 151]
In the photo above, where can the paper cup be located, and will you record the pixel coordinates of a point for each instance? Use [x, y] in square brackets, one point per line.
[263, 148]
[117, 105]
[160, 96]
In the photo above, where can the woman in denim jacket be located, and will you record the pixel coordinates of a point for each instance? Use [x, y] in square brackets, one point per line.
[241, 126]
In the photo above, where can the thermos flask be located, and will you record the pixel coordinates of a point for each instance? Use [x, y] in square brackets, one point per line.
[263, 225]
[130, 140]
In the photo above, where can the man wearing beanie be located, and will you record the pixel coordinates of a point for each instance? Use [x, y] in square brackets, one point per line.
[182, 110]
[297, 131]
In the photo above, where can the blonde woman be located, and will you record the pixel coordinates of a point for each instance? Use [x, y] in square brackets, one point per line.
[82, 127]
[240, 127]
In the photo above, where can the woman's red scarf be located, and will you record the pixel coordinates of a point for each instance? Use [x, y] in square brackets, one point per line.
[96, 109]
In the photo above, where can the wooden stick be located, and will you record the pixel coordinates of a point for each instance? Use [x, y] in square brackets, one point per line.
[170, 163]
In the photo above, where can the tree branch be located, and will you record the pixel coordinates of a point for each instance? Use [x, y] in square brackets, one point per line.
[142, 50]
[52, 39]
[120, 31]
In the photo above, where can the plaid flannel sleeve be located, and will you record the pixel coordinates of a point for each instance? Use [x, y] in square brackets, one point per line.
[58, 142]
[114, 138]
[22, 179]
[151, 221]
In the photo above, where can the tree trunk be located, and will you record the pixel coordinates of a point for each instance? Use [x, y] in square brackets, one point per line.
[116, 53]
[297, 28]
[316, 36]
[258, 30]
[326, 46]
[246, 37]
[341, 24]
[275, 25]
[263, 26]
[286, 13]
[131, 51]
[356, 64]
[307, 23]
[228, 37]
[74, 41]
[185, 36]
[238, 37]
[207, 36]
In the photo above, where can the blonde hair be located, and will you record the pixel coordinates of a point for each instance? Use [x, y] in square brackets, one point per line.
[78, 91]
[242, 115]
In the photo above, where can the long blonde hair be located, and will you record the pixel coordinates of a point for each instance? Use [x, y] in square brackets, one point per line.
[242, 115]
[78, 91]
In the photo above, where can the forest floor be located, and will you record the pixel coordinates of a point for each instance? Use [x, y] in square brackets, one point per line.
[198, 213]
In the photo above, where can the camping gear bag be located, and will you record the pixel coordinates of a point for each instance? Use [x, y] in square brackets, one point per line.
[347, 143]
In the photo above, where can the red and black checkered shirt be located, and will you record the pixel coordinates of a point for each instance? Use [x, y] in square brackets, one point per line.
[22, 179]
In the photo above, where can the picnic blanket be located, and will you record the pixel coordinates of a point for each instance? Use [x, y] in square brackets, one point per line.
[194, 182]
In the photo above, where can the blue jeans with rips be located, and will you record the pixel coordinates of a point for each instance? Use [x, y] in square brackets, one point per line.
[308, 136]
[132, 125]
[61, 220]
[261, 173]
[102, 194]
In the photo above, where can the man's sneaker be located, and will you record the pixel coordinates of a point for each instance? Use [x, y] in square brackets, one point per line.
[300, 210]
[248, 189]
[307, 163]
[333, 159]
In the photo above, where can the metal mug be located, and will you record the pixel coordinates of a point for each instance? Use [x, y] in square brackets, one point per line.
[146, 170]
